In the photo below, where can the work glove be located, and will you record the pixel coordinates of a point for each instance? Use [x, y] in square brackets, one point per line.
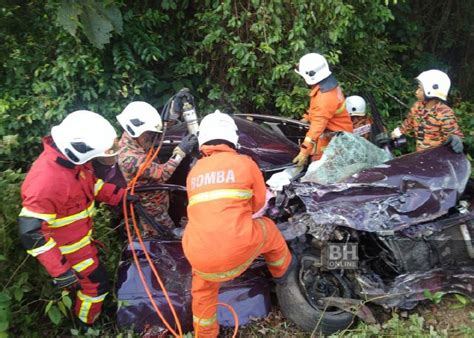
[396, 133]
[300, 159]
[187, 145]
[456, 143]
[382, 139]
[67, 280]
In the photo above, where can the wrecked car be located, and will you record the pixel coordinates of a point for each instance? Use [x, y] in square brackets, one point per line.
[382, 235]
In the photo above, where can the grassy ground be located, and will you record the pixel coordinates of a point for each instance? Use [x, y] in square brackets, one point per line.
[449, 318]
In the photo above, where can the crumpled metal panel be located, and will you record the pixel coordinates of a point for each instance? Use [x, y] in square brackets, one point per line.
[414, 188]
[265, 147]
[249, 294]
[406, 290]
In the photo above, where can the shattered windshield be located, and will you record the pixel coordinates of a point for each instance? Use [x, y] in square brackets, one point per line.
[345, 155]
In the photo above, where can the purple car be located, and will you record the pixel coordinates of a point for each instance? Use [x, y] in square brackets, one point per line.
[384, 235]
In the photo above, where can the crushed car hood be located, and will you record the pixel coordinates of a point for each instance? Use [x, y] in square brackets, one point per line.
[414, 188]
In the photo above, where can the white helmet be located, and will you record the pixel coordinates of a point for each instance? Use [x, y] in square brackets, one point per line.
[84, 135]
[355, 105]
[138, 117]
[218, 126]
[313, 68]
[435, 84]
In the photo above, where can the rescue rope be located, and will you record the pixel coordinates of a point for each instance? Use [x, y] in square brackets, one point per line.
[131, 187]
[151, 155]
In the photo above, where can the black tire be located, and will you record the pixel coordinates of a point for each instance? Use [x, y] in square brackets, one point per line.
[296, 308]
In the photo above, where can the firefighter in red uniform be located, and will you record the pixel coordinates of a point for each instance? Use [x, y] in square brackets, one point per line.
[59, 195]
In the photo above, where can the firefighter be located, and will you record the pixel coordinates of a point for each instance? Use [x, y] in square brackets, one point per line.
[362, 123]
[327, 112]
[142, 124]
[59, 195]
[221, 239]
[430, 120]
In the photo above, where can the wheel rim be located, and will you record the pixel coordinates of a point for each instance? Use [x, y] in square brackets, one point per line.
[316, 284]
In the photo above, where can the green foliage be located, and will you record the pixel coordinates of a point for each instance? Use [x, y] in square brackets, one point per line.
[60, 56]
[97, 19]
[435, 298]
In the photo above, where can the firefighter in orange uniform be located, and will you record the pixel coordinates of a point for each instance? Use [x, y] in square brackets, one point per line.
[59, 194]
[222, 239]
[327, 112]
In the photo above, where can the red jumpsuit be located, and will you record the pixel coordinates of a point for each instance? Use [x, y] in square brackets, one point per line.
[327, 112]
[221, 239]
[63, 196]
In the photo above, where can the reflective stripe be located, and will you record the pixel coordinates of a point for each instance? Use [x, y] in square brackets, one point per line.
[205, 321]
[242, 194]
[278, 262]
[42, 249]
[309, 140]
[60, 222]
[86, 305]
[341, 108]
[91, 299]
[226, 275]
[98, 186]
[68, 249]
[81, 266]
[45, 217]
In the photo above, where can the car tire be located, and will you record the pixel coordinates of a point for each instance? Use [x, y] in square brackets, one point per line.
[296, 308]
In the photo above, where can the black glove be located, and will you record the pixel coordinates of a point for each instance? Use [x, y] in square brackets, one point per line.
[188, 143]
[183, 96]
[456, 143]
[67, 280]
[382, 139]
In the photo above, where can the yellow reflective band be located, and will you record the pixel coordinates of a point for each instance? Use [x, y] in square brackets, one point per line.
[81, 266]
[98, 186]
[241, 194]
[341, 108]
[91, 299]
[68, 249]
[60, 222]
[86, 305]
[226, 275]
[42, 249]
[205, 321]
[278, 262]
[84, 310]
[45, 217]
[309, 140]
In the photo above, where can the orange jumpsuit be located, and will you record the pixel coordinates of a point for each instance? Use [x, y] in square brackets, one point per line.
[221, 239]
[327, 113]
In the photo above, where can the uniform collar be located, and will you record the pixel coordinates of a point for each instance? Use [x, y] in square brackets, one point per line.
[208, 150]
[422, 106]
[130, 143]
[314, 90]
[324, 86]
